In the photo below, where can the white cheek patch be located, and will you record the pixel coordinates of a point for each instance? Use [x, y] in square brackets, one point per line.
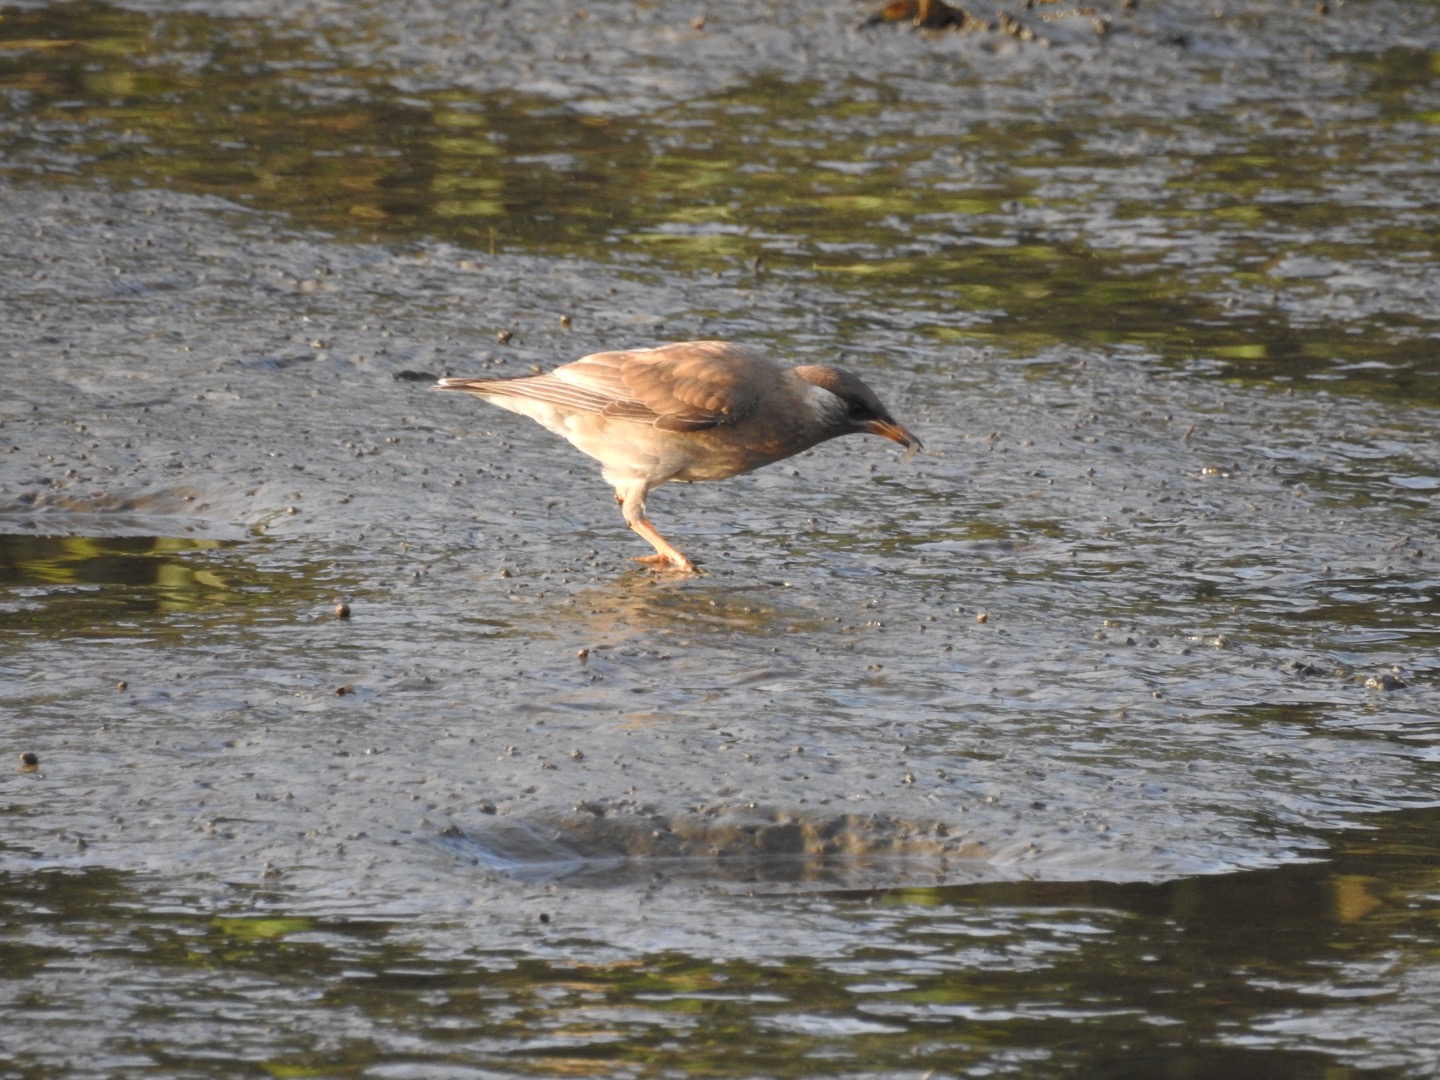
[827, 406]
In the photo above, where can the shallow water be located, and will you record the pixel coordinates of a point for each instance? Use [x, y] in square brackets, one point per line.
[1099, 739]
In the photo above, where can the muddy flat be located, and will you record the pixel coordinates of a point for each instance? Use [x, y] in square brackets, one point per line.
[1124, 686]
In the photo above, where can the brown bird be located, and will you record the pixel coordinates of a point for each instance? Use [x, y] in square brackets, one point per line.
[696, 410]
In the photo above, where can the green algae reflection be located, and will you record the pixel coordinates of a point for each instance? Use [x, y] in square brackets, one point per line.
[75, 584]
[1263, 250]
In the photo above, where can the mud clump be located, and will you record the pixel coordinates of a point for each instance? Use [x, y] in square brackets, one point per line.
[714, 843]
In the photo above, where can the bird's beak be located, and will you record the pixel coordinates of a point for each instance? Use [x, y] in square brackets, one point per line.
[888, 429]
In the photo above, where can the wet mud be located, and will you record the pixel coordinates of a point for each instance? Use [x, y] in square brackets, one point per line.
[322, 673]
[881, 658]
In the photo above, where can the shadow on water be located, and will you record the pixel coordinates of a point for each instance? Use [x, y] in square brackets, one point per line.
[1066, 978]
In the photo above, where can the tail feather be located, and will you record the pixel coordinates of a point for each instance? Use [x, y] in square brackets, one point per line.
[473, 386]
[542, 388]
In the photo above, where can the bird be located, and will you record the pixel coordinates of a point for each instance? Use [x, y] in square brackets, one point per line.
[688, 411]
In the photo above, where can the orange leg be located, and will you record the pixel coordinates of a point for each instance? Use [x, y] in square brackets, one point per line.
[632, 504]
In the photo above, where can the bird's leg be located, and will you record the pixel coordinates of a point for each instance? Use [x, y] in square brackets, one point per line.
[665, 557]
[632, 505]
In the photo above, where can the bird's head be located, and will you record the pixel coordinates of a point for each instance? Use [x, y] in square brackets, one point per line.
[855, 410]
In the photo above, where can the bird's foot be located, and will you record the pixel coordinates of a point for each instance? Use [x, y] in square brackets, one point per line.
[680, 565]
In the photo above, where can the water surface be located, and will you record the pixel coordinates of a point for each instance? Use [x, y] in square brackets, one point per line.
[1100, 739]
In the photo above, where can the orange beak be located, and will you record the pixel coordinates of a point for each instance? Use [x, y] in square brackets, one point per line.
[888, 429]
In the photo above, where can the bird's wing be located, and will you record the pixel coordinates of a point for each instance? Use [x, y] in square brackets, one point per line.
[690, 386]
[686, 387]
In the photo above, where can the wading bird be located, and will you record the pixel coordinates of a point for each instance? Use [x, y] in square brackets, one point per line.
[696, 410]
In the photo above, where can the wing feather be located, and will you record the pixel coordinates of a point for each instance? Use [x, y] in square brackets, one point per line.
[686, 387]
[690, 386]
[544, 388]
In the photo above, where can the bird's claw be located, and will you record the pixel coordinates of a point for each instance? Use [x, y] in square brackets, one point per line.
[665, 562]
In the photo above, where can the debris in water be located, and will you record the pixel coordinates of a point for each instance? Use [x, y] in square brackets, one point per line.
[927, 14]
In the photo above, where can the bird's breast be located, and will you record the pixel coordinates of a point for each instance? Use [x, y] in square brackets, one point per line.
[719, 453]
